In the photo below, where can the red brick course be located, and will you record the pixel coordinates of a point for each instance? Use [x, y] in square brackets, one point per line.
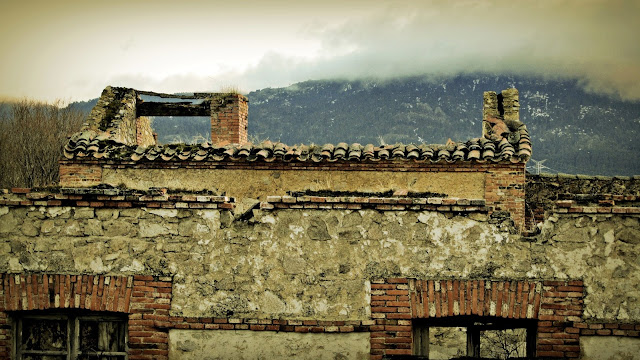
[146, 299]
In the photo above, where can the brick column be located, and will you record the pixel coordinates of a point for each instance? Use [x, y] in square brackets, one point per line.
[504, 191]
[150, 304]
[561, 319]
[5, 326]
[229, 121]
[390, 308]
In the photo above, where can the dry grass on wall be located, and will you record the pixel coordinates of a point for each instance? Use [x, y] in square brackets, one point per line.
[32, 135]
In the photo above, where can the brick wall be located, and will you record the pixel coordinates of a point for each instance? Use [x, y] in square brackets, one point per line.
[392, 311]
[229, 122]
[80, 174]
[395, 303]
[560, 318]
[557, 305]
[505, 190]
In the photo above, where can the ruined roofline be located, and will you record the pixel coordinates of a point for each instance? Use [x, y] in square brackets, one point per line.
[502, 140]
[121, 115]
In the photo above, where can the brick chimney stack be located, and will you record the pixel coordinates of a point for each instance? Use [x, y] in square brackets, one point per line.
[503, 106]
[229, 120]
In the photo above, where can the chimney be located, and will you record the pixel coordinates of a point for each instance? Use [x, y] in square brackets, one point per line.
[229, 119]
[503, 106]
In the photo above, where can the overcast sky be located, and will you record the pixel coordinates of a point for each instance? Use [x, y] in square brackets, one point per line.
[71, 50]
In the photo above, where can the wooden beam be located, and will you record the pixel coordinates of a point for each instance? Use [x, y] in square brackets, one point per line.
[473, 342]
[173, 109]
[421, 341]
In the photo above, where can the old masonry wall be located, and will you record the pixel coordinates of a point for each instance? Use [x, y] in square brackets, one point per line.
[314, 265]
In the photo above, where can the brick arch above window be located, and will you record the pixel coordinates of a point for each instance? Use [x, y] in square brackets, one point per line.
[46, 291]
[498, 298]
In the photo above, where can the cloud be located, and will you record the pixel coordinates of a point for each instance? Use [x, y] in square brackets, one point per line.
[593, 41]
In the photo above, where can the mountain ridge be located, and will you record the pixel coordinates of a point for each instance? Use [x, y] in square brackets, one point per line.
[573, 130]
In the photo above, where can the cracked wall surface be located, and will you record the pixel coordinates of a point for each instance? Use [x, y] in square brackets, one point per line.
[310, 264]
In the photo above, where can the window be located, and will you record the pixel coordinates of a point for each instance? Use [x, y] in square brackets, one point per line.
[486, 337]
[70, 336]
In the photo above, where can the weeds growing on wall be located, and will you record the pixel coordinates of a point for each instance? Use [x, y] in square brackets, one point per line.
[32, 135]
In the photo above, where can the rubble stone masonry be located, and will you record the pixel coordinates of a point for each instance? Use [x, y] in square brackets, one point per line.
[189, 264]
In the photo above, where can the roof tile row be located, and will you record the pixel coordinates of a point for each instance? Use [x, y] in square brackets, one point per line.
[91, 145]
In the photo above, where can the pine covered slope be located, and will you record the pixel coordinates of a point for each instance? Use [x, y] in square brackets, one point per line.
[576, 131]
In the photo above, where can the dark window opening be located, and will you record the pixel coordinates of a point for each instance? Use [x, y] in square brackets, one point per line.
[43, 335]
[474, 337]
[177, 119]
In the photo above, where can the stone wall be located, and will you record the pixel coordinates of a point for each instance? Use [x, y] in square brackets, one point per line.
[304, 270]
[246, 344]
[500, 184]
[543, 191]
[316, 263]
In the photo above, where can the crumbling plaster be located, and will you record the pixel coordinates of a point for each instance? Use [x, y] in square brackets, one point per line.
[312, 264]
[245, 344]
[259, 183]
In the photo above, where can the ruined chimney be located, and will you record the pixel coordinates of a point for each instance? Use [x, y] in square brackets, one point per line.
[503, 106]
[229, 119]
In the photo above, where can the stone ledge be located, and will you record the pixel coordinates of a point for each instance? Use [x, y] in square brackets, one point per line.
[280, 325]
[114, 198]
[376, 203]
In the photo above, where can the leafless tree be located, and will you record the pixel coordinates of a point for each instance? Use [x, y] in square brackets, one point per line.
[32, 135]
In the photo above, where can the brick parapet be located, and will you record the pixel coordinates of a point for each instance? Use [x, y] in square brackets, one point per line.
[376, 203]
[113, 198]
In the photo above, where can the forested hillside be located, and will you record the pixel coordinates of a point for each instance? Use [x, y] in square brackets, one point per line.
[575, 131]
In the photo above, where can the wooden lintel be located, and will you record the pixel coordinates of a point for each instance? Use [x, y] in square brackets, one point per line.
[173, 109]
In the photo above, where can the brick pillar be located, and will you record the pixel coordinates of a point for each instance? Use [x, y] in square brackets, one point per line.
[561, 319]
[503, 106]
[150, 304]
[391, 310]
[229, 121]
[5, 326]
[504, 191]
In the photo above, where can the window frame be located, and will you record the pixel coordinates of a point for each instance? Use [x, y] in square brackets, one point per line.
[474, 325]
[73, 320]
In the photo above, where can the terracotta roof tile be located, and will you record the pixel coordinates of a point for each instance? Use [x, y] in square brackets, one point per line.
[90, 144]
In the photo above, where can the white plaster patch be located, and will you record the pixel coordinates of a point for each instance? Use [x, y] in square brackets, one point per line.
[97, 266]
[268, 219]
[14, 264]
[297, 229]
[135, 267]
[165, 213]
[57, 211]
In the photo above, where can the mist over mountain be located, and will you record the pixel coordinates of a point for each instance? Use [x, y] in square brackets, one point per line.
[575, 131]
